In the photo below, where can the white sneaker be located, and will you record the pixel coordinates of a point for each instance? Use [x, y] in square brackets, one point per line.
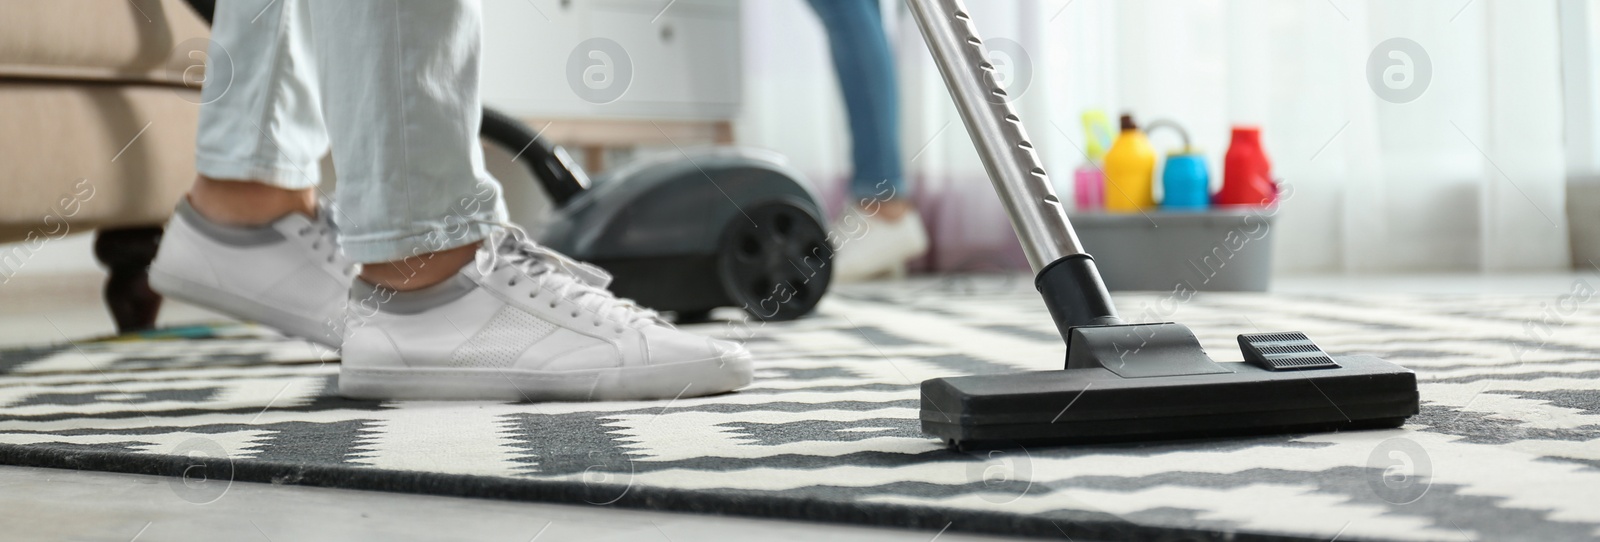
[880, 248]
[289, 274]
[525, 323]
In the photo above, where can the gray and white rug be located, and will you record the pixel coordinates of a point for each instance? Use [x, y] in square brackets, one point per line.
[1507, 446]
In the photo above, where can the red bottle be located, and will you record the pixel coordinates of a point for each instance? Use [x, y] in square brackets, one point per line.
[1246, 173]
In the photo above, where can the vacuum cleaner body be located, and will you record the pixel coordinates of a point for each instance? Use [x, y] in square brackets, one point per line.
[1121, 381]
[692, 231]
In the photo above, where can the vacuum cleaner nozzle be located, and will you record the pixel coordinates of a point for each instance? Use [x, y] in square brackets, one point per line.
[1145, 381]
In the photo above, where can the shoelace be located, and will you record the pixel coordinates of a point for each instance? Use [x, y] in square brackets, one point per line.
[324, 235]
[581, 283]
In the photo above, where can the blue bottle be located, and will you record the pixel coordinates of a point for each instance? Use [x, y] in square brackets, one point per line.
[1186, 182]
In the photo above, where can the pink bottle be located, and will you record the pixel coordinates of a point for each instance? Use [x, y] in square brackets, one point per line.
[1089, 181]
[1089, 188]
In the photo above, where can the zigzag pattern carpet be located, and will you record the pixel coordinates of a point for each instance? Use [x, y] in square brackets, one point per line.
[1507, 446]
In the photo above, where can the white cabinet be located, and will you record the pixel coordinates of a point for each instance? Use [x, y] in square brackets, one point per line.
[680, 58]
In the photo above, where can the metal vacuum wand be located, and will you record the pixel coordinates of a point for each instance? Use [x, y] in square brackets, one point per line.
[1064, 274]
[1012, 162]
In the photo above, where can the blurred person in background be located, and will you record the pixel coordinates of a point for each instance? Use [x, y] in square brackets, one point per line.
[893, 232]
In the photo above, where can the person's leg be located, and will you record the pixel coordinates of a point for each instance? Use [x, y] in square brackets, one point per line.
[865, 69]
[866, 73]
[260, 134]
[401, 100]
[250, 239]
[452, 303]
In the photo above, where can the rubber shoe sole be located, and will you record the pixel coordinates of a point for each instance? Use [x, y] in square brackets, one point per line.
[244, 308]
[667, 381]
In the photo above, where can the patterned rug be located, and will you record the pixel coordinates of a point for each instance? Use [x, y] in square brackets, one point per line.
[1507, 446]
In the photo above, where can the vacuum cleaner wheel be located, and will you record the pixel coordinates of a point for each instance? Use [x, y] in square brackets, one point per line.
[775, 263]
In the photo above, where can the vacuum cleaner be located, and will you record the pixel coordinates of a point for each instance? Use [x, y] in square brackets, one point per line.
[685, 231]
[1121, 381]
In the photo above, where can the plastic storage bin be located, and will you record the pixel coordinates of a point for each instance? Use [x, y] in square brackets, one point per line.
[1220, 249]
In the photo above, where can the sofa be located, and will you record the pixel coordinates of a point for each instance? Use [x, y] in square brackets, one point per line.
[98, 104]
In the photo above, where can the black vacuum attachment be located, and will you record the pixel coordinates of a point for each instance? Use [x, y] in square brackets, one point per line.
[1146, 381]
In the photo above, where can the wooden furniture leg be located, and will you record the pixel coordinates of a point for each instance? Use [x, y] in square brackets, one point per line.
[127, 254]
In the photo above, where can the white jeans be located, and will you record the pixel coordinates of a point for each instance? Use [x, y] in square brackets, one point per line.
[392, 84]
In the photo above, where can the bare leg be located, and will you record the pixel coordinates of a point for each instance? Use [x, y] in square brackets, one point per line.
[420, 271]
[248, 203]
[893, 210]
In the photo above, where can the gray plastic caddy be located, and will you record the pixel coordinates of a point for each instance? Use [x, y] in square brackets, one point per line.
[1219, 249]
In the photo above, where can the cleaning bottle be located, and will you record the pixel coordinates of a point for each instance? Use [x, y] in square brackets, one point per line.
[1246, 172]
[1089, 182]
[1129, 167]
[1185, 178]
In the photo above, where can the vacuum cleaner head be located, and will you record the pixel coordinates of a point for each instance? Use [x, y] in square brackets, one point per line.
[1147, 381]
[1143, 381]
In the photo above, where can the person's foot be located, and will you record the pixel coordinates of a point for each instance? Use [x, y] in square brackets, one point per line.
[523, 322]
[288, 274]
[880, 247]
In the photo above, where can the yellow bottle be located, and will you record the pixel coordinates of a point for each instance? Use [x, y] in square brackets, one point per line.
[1130, 166]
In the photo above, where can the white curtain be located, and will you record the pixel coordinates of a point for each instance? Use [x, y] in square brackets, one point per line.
[1580, 74]
[1470, 175]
